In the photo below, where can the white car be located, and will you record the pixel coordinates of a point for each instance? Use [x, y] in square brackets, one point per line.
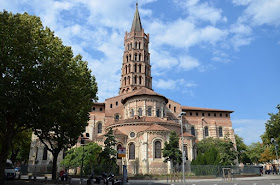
[10, 172]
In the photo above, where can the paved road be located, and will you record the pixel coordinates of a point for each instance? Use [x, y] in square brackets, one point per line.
[262, 180]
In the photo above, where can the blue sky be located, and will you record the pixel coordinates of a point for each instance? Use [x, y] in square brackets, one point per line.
[221, 54]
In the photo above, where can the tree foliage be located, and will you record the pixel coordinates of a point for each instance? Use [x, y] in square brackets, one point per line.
[272, 130]
[108, 157]
[171, 150]
[254, 152]
[242, 149]
[214, 151]
[74, 157]
[42, 86]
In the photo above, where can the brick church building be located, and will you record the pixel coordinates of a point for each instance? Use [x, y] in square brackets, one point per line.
[142, 119]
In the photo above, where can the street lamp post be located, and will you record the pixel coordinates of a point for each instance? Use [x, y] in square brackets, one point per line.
[183, 156]
[83, 144]
[273, 141]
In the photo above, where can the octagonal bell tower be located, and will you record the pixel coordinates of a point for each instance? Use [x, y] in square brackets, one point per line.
[136, 68]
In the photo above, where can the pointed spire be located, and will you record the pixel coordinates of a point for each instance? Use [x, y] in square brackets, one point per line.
[136, 25]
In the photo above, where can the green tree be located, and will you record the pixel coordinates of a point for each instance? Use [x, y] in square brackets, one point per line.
[41, 86]
[171, 150]
[254, 152]
[108, 157]
[74, 157]
[20, 147]
[214, 151]
[242, 150]
[272, 129]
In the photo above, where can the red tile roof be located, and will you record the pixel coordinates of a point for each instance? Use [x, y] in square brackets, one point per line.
[156, 127]
[204, 109]
[144, 91]
[118, 132]
[185, 134]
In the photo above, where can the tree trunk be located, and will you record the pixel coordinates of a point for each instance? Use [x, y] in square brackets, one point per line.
[54, 167]
[7, 140]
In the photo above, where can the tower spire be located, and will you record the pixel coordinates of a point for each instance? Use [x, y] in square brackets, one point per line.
[136, 24]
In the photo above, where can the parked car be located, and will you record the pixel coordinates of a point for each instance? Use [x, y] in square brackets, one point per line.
[10, 172]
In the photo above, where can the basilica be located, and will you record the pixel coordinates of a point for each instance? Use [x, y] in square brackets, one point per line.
[142, 119]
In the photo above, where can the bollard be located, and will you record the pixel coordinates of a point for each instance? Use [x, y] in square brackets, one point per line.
[46, 178]
[29, 177]
[70, 180]
[34, 178]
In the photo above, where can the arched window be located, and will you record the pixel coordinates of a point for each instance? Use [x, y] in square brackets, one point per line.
[45, 153]
[126, 58]
[129, 57]
[193, 131]
[139, 56]
[118, 147]
[139, 45]
[186, 151]
[130, 45]
[140, 80]
[135, 45]
[129, 68]
[99, 128]
[140, 112]
[135, 57]
[139, 68]
[128, 79]
[206, 132]
[149, 112]
[135, 79]
[131, 151]
[135, 68]
[157, 148]
[124, 80]
[125, 69]
[131, 113]
[158, 113]
[117, 117]
[220, 132]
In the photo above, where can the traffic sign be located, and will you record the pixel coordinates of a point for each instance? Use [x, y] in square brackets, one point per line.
[121, 152]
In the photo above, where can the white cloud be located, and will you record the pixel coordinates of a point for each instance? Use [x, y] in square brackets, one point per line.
[249, 129]
[260, 12]
[241, 2]
[201, 11]
[170, 84]
[188, 63]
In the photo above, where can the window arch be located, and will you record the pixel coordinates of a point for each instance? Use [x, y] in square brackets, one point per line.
[124, 80]
[140, 80]
[139, 56]
[131, 152]
[129, 57]
[193, 131]
[135, 57]
[135, 79]
[129, 68]
[131, 113]
[117, 117]
[135, 68]
[45, 153]
[126, 58]
[140, 112]
[128, 80]
[99, 128]
[157, 148]
[149, 112]
[220, 132]
[125, 69]
[158, 113]
[140, 68]
[206, 132]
